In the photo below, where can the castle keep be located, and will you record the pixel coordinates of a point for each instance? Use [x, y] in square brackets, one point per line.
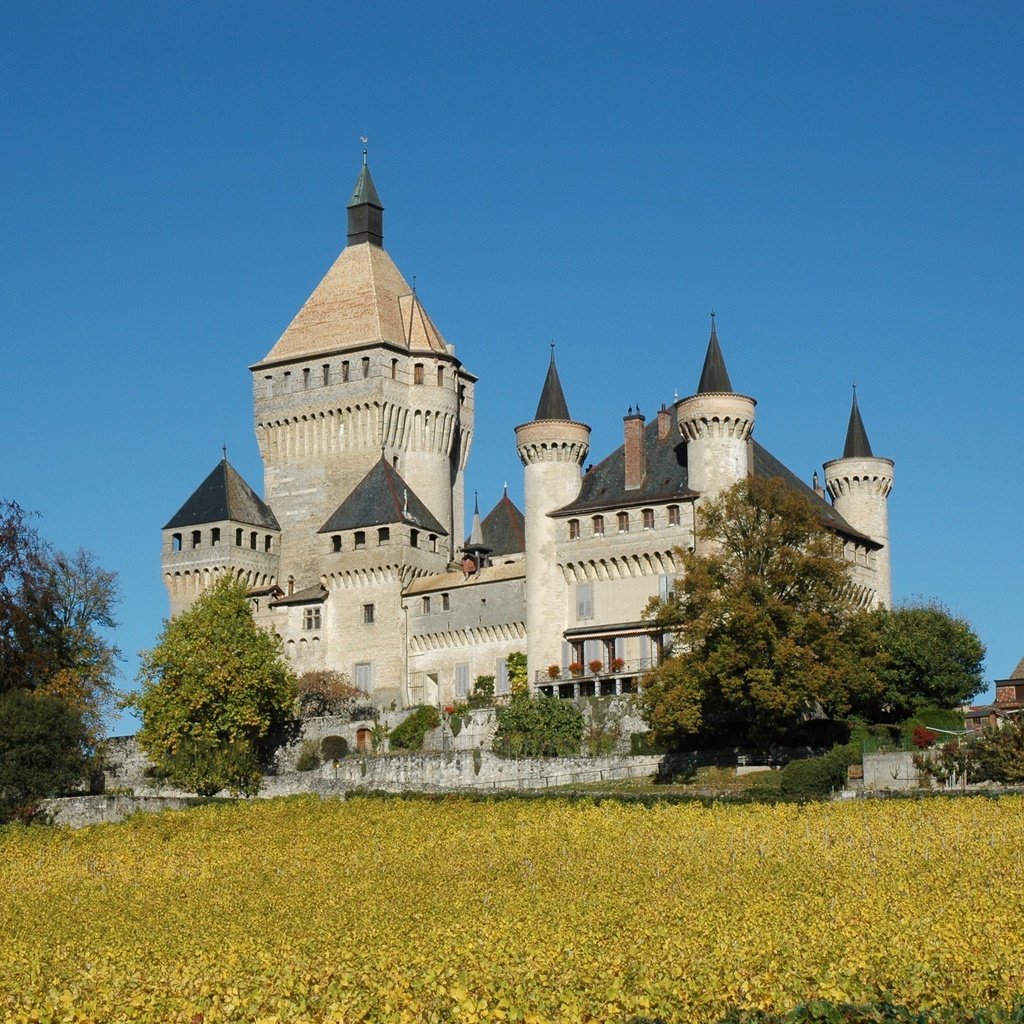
[357, 553]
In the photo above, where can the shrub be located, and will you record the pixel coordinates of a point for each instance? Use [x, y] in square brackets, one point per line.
[308, 758]
[923, 738]
[483, 693]
[333, 748]
[541, 727]
[409, 735]
[812, 778]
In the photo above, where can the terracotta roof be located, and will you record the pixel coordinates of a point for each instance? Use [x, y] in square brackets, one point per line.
[1018, 672]
[381, 498]
[362, 300]
[224, 495]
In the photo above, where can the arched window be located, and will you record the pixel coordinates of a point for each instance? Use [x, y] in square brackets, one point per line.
[176, 542]
[214, 536]
[440, 376]
[197, 538]
[238, 537]
[268, 543]
[252, 540]
[336, 542]
[394, 369]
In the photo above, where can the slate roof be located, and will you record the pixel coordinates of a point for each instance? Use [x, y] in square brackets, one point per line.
[382, 498]
[504, 528]
[552, 404]
[308, 595]
[221, 496]
[714, 377]
[604, 486]
[857, 444]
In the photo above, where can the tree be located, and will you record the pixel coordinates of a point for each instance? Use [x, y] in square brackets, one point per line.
[217, 695]
[327, 692]
[933, 659]
[765, 624]
[44, 750]
[538, 727]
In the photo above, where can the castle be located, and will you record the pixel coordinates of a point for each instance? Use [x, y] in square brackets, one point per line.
[357, 554]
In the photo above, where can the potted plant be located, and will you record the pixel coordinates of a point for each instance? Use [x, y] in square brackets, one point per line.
[595, 665]
[554, 671]
[576, 668]
[618, 664]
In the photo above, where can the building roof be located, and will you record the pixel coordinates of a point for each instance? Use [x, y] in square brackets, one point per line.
[857, 444]
[308, 595]
[714, 377]
[382, 498]
[436, 582]
[604, 485]
[365, 193]
[1018, 672]
[504, 528]
[552, 404]
[224, 495]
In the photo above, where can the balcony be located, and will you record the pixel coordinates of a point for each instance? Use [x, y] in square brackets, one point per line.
[607, 681]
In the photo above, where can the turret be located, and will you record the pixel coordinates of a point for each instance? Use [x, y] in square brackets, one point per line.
[552, 448]
[717, 424]
[859, 484]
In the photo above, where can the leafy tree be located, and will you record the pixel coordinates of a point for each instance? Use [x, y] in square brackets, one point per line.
[217, 695]
[999, 756]
[933, 659]
[765, 623]
[538, 727]
[518, 680]
[44, 750]
[327, 692]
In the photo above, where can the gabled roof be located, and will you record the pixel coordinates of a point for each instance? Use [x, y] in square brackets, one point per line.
[667, 479]
[362, 300]
[552, 404]
[309, 595]
[714, 377]
[857, 444]
[224, 495]
[504, 528]
[382, 498]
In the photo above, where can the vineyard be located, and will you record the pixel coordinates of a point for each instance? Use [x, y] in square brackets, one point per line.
[412, 910]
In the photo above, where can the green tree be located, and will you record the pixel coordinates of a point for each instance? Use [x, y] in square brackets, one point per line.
[518, 681]
[765, 624]
[538, 727]
[44, 750]
[999, 755]
[217, 695]
[933, 659]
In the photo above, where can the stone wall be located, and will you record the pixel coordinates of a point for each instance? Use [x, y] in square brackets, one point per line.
[890, 770]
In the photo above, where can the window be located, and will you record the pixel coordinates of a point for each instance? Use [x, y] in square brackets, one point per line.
[362, 675]
[287, 381]
[394, 463]
[574, 529]
[666, 585]
[432, 541]
[238, 538]
[426, 606]
[268, 543]
[311, 618]
[344, 372]
[584, 600]
[336, 542]
[446, 603]
[176, 542]
[417, 373]
[623, 519]
[414, 538]
[360, 539]
[215, 536]
[197, 538]
[673, 515]
[394, 369]
[252, 540]
[598, 526]
[383, 535]
[648, 516]
[305, 377]
[501, 676]
[366, 367]
[367, 615]
[462, 679]
[327, 373]
[440, 376]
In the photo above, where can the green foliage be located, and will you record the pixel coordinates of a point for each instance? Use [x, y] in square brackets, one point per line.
[518, 680]
[812, 778]
[217, 695]
[334, 748]
[43, 750]
[932, 660]
[483, 693]
[538, 727]
[409, 735]
[765, 622]
[999, 756]
[309, 757]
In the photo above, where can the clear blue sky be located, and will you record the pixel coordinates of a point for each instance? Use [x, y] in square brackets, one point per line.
[842, 183]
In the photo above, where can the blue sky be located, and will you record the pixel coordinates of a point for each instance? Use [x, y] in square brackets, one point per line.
[840, 182]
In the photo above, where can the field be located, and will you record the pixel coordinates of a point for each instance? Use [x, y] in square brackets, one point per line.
[410, 910]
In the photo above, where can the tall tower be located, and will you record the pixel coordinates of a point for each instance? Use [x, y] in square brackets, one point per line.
[552, 448]
[717, 424]
[859, 484]
[360, 373]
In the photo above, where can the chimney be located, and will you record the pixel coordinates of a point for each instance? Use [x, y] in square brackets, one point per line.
[636, 454]
[816, 485]
[664, 422]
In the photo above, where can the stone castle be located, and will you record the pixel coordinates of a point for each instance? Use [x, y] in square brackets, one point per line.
[357, 554]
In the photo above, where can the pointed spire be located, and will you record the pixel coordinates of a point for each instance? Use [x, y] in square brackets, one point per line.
[365, 211]
[552, 405]
[857, 444]
[476, 535]
[714, 377]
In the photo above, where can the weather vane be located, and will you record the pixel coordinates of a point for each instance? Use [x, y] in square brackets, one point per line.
[364, 139]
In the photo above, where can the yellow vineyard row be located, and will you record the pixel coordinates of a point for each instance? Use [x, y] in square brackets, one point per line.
[403, 911]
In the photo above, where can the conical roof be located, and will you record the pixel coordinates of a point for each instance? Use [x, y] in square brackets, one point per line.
[224, 495]
[381, 498]
[552, 404]
[365, 193]
[857, 445]
[714, 378]
[504, 528]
